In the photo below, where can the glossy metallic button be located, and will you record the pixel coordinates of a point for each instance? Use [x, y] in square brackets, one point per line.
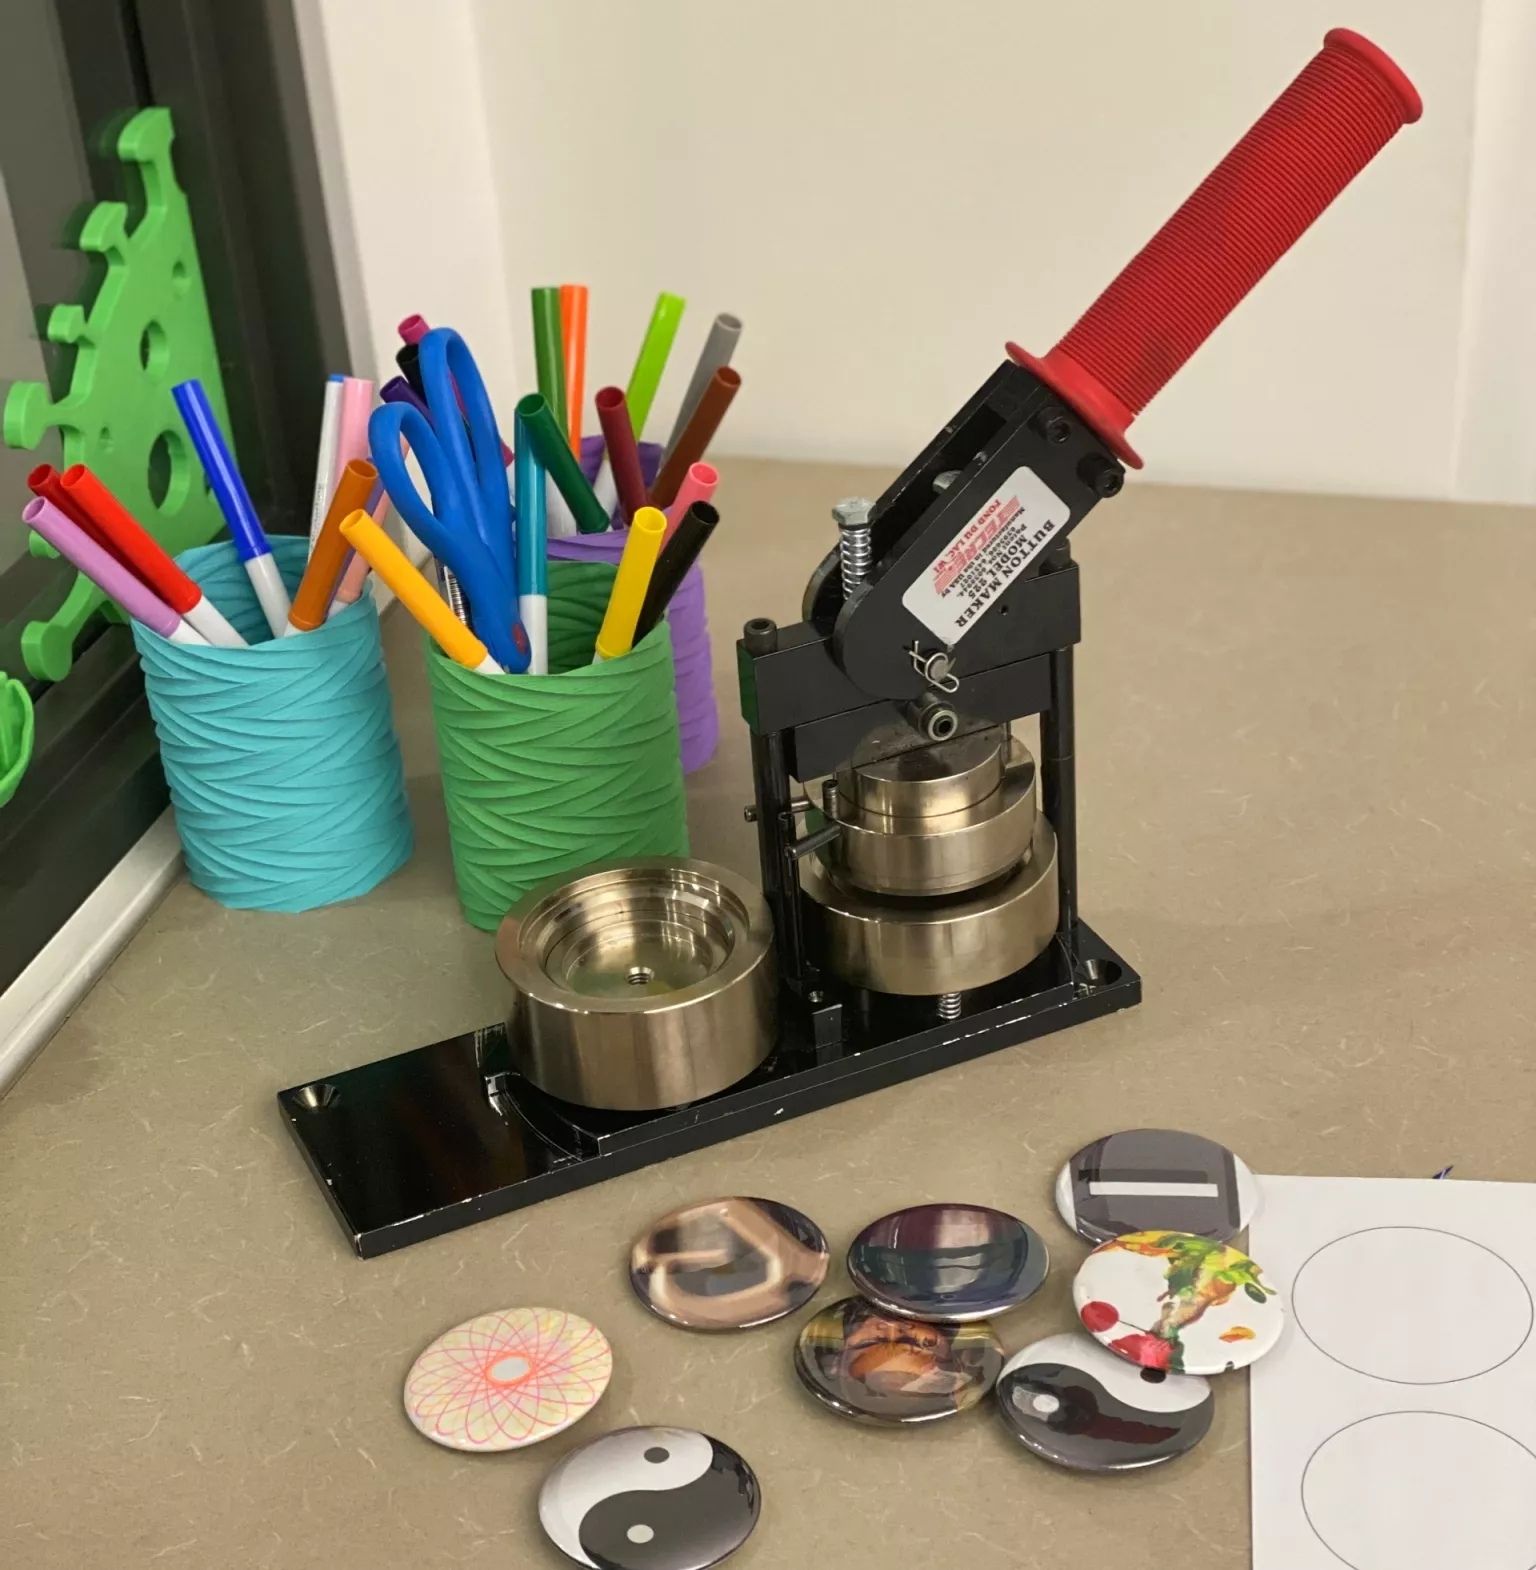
[1069, 1401]
[947, 1262]
[728, 1264]
[650, 1499]
[881, 1369]
[1180, 1303]
[508, 1379]
[1154, 1179]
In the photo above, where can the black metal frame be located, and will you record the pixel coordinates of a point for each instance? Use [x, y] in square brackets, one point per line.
[417, 1145]
[71, 73]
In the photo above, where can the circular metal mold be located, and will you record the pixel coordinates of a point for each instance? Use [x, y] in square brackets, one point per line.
[945, 776]
[876, 1368]
[943, 853]
[640, 984]
[950, 1263]
[728, 1264]
[927, 947]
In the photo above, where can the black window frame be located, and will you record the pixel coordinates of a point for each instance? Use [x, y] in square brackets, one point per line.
[232, 75]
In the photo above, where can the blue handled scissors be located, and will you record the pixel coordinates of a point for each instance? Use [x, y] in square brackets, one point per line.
[468, 525]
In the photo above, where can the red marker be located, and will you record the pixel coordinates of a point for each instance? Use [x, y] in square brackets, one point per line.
[83, 498]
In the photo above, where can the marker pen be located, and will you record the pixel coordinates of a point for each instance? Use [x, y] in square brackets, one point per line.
[234, 502]
[80, 496]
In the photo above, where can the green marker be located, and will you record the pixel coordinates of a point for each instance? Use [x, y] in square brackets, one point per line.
[549, 351]
[554, 452]
[646, 376]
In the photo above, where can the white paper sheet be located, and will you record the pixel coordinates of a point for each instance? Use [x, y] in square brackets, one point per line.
[1394, 1427]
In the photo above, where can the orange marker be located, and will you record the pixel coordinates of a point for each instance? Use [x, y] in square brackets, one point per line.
[573, 332]
[330, 553]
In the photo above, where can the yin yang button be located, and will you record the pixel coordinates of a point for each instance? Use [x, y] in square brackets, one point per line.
[650, 1499]
[1156, 1179]
[1068, 1400]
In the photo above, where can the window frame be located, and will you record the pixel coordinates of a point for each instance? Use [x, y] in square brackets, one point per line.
[232, 76]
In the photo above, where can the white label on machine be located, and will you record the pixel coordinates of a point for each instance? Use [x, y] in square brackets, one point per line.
[1021, 517]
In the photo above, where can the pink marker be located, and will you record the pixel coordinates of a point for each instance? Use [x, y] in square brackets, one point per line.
[412, 330]
[698, 486]
[107, 572]
[352, 428]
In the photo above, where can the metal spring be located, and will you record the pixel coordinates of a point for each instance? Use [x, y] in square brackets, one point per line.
[853, 556]
[949, 1005]
[453, 593]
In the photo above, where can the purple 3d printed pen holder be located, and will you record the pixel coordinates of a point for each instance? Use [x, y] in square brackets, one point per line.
[698, 719]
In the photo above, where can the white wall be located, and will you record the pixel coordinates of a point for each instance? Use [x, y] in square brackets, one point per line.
[886, 191]
[409, 183]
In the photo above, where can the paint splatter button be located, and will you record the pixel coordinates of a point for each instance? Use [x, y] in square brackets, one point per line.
[1173, 1301]
[508, 1379]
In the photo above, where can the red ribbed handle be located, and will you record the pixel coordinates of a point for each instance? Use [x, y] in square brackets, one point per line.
[1251, 209]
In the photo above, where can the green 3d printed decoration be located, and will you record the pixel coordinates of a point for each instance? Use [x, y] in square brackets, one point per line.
[146, 330]
[15, 735]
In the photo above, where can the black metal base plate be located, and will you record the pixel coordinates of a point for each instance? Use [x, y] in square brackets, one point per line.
[414, 1146]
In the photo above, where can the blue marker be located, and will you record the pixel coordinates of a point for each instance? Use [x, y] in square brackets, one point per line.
[234, 502]
[532, 568]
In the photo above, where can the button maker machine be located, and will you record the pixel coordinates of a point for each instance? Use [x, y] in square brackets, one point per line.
[920, 866]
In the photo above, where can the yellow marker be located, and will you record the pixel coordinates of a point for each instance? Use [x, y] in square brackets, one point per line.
[416, 594]
[637, 563]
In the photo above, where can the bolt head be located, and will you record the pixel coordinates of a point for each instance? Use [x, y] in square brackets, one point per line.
[852, 512]
[1103, 476]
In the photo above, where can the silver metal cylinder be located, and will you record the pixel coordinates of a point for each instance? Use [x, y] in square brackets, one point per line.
[927, 947]
[640, 985]
[920, 781]
[938, 853]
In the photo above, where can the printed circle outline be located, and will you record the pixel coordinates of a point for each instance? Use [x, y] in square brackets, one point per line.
[1413, 1384]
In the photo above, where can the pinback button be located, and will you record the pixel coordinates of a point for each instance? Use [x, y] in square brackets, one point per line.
[729, 1264]
[876, 1367]
[1147, 1179]
[650, 1499]
[947, 1262]
[1070, 1401]
[508, 1379]
[1176, 1302]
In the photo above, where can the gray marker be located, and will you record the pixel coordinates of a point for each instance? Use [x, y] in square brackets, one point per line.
[718, 349]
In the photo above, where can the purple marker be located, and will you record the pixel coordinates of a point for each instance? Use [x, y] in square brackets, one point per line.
[107, 572]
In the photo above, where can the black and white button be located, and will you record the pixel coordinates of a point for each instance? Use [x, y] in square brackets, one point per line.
[650, 1499]
[1156, 1179]
[1070, 1401]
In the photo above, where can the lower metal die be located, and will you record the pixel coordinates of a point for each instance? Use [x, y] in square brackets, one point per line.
[926, 947]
